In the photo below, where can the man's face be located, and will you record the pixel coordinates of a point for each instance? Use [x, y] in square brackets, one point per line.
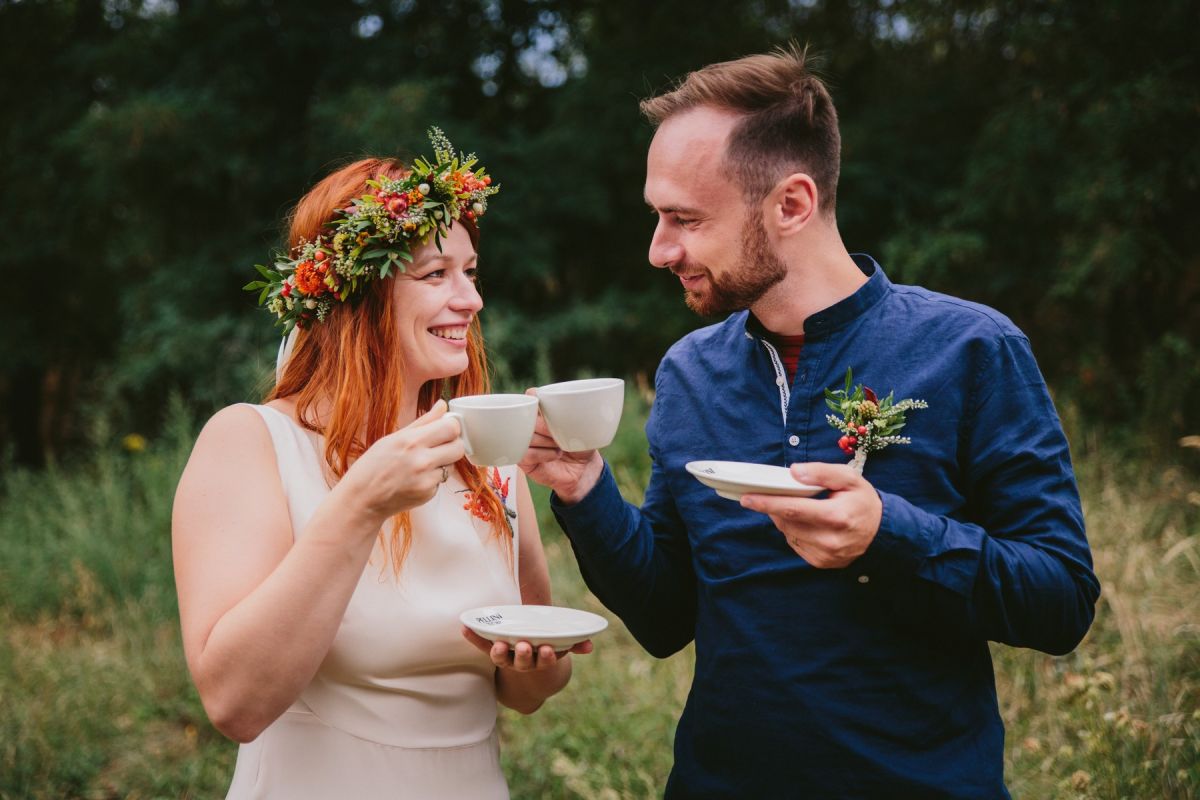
[706, 234]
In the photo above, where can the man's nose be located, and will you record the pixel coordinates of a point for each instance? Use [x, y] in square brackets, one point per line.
[665, 251]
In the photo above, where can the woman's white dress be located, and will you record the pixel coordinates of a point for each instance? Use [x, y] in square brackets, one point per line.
[402, 706]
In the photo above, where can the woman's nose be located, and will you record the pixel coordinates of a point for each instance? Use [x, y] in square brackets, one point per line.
[466, 295]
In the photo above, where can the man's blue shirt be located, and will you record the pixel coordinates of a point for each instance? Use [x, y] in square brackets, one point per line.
[874, 680]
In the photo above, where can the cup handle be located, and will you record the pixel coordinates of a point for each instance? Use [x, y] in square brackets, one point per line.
[462, 431]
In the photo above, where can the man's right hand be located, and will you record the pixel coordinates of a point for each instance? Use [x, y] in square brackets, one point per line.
[570, 475]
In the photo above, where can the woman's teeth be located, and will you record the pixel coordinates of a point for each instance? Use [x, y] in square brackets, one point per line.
[457, 333]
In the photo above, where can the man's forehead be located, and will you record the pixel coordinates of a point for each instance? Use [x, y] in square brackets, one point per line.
[696, 135]
[685, 157]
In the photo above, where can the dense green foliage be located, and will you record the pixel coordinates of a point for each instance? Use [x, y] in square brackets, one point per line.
[97, 703]
[1037, 155]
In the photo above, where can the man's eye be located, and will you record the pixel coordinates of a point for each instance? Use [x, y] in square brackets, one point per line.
[685, 221]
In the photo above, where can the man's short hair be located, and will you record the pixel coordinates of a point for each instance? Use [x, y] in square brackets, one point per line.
[789, 123]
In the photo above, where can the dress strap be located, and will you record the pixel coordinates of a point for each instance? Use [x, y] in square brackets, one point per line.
[299, 464]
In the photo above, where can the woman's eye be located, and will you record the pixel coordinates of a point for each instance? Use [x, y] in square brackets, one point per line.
[472, 274]
[437, 273]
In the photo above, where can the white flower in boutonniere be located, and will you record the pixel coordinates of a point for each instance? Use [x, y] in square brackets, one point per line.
[866, 422]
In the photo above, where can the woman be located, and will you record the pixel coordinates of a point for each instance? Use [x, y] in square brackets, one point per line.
[326, 542]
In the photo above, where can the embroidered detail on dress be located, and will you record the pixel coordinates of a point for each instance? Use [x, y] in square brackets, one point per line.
[480, 509]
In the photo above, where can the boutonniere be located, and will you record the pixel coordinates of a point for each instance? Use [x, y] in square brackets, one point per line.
[866, 422]
[481, 510]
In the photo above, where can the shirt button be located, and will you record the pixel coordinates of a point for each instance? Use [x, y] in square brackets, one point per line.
[779, 381]
[793, 440]
[864, 578]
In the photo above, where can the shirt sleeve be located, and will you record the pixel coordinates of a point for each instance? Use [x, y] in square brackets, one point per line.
[1016, 566]
[637, 561]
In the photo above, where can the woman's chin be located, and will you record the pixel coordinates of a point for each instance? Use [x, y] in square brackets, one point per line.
[446, 369]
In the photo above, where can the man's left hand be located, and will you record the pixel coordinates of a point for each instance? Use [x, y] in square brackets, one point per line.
[830, 532]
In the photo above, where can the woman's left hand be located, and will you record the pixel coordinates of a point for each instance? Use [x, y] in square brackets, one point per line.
[524, 657]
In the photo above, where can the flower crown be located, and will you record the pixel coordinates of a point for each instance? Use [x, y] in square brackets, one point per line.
[374, 235]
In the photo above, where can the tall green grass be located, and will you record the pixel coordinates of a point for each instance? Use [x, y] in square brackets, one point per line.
[95, 700]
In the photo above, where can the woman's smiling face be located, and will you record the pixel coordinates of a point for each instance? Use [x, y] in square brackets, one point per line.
[435, 300]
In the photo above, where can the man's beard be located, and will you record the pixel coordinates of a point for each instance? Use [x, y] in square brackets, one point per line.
[758, 269]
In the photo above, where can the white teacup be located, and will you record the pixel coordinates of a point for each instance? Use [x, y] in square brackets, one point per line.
[584, 414]
[495, 428]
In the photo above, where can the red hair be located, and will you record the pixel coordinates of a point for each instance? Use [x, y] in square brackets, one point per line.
[352, 359]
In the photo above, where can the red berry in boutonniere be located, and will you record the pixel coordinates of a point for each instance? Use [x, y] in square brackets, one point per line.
[870, 423]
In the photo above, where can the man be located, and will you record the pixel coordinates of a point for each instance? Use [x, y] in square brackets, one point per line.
[841, 640]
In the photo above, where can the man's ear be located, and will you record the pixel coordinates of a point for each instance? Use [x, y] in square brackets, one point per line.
[792, 203]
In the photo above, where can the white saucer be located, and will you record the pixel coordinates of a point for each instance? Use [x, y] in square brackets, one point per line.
[558, 627]
[732, 479]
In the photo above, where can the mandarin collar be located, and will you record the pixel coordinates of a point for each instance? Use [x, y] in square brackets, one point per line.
[844, 311]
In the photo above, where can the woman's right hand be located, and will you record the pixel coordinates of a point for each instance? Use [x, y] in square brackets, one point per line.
[403, 469]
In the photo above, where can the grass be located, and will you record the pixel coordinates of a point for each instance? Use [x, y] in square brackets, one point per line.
[97, 702]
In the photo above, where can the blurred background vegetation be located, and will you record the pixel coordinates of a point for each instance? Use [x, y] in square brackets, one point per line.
[1041, 156]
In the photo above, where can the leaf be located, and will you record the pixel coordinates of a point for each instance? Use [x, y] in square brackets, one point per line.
[262, 298]
[832, 404]
[266, 273]
[849, 379]
[253, 285]
[374, 253]
[407, 256]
